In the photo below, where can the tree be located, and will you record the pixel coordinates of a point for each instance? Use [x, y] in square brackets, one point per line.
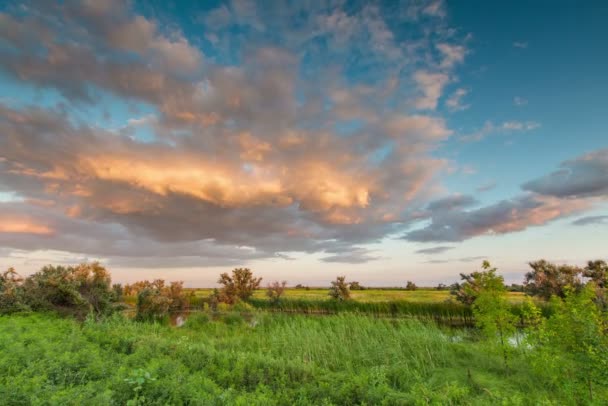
[410, 286]
[275, 290]
[571, 347]
[240, 285]
[339, 289]
[547, 279]
[441, 286]
[354, 285]
[492, 311]
[94, 284]
[597, 271]
[468, 291]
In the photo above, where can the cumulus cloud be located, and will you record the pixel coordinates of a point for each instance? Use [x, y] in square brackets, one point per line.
[242, 161]
[585, 176]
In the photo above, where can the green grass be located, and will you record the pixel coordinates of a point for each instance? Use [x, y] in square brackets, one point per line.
[367, 295]
[257, 359]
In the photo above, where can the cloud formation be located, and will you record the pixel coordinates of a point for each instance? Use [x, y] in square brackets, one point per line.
[240, 160]
[585, 176]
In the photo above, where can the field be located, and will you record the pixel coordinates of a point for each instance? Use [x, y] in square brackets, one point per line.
[257, 359]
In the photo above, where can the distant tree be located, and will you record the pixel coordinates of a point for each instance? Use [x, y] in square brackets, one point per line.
[547, 279]
[492, 311]
[355, 286]
[410, 286]
[339, 289]
[94, 284]
[118, 291]
[299, 286]
[467, 291]
[275, 290]
[597, 271]
[441, 286]
[514, 287]
[240, 285]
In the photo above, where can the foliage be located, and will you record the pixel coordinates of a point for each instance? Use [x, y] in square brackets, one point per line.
[240, 285]
[77, 290]
[275, 290]
[354, 285]
[339, 289]
[285, 359]
[411, 286]
[547, 279]
[155, 300]
[468, 291]
[11, 292]
[571, 347]
[492, 311]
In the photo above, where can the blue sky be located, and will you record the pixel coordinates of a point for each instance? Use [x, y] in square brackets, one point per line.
[387, 141]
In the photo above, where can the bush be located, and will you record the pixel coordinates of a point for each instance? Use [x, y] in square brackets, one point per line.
[410, 286]
[275, 290]
[240, 285]
[155, 301]
[339, 289]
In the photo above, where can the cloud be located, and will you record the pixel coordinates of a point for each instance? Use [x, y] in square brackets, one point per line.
[434, 250]
[452, 54]
[452, 260]
[505, 127]
[241, 161]
[520, 44]
[454, 102]
[453, 223]
[585, 176]
[431, 86]
[591, 220]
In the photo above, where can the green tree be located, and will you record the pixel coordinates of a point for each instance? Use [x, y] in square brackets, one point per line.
[410, 286]
[240, 285]
[571, 347]
[492, 310]
[547, 279]
[468, 291]
[339, 289]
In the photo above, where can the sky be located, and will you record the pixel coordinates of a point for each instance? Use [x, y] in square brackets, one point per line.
[384, 141]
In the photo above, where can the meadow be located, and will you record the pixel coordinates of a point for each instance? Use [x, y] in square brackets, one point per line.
[70, 337]
[256, 358]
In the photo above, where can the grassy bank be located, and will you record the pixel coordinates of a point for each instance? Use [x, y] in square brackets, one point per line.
[265, 359]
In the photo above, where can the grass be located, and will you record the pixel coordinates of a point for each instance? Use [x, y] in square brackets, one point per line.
[257, 359]
[425, 295]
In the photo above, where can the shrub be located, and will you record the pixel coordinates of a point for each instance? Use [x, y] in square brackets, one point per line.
[11, 292]
[339, 289]
[155, 301]
[275, 290]
[410, 286]
[240, 285]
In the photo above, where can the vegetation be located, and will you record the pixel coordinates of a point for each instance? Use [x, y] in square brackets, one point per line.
[524, 351]
[239, 286]
[411, 286]
[275, 290]
[547, 279]
[339, 289]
